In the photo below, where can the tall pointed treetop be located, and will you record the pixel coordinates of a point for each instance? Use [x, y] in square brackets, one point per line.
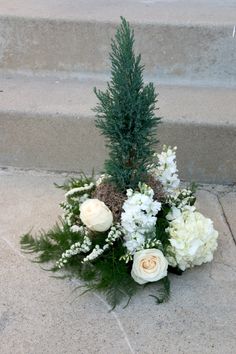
[125, 114]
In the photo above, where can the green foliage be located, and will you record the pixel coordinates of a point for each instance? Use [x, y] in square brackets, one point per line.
[75, 182]
[106, 274]
[164, 292]
[111, 276]
[125, 114]
[50, 245]
[161, 226]
[71, 206]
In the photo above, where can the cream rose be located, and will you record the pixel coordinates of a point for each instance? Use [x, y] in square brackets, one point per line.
[149, 265]
[96, 215]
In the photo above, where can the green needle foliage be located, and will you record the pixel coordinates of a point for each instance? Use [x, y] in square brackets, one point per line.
[125, 114]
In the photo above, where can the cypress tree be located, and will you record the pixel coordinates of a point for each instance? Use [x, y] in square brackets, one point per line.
[125, 114]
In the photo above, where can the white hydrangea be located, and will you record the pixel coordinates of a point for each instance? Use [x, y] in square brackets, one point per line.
[166, 169]
[139, 216]
[176, 212]
[193, 239]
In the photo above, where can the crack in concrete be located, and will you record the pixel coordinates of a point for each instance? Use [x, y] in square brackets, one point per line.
[77, 281]
[13, 248]
[118, 322]
[226, 220]
[4, 320]
[222, 209]
[16, 251]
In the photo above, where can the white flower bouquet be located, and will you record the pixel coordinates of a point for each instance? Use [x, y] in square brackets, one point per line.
[134, 224]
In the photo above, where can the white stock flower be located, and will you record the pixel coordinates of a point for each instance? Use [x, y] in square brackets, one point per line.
[166, 169]
[149, 265]
[96, 215]
[139, 217]
[193, 240]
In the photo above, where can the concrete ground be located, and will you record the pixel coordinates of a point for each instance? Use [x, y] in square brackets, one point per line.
[40, 314]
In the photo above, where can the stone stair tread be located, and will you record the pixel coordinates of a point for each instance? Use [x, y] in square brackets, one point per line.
[149, 11]
[75, 97]
[180, 41]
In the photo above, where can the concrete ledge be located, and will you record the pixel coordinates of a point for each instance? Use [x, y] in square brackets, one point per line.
[48, 124]
[151, 11]
[177, 42]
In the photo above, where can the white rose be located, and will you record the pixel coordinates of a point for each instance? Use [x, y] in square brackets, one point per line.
[96, 215]
[149, 265]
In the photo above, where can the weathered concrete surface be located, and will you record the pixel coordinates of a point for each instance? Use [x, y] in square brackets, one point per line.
[228, 202]
[177, 11]
[37, 114]
[38, 314]
[180, 41]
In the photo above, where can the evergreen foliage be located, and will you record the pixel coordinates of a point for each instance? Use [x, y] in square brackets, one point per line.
[125, 114]
[51, 244]
[107, 274]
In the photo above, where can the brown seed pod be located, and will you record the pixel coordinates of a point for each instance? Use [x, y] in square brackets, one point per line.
[159, 193]
[108, 194]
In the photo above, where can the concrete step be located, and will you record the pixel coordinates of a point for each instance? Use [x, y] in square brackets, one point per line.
[181, 41]
[40, 314]
[47, 123]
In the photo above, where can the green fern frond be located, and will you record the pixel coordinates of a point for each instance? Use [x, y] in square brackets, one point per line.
[164, 292]
[51, 244]
[43, 245]
[76, 182]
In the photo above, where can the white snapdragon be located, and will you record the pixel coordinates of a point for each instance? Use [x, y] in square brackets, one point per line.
[181, 197]
[75, 249]
[193, 239]
[84, 188]
[150, 243]
[96, 252]
[112, 236]
[73, 199]
[166, 169]
[101, 179]
[139, 216]
[180, 202]
[76, 228]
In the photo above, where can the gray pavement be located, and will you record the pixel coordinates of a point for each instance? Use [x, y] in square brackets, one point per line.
[39, 314]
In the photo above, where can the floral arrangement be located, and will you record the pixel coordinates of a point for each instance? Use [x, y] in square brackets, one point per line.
[133, 224]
